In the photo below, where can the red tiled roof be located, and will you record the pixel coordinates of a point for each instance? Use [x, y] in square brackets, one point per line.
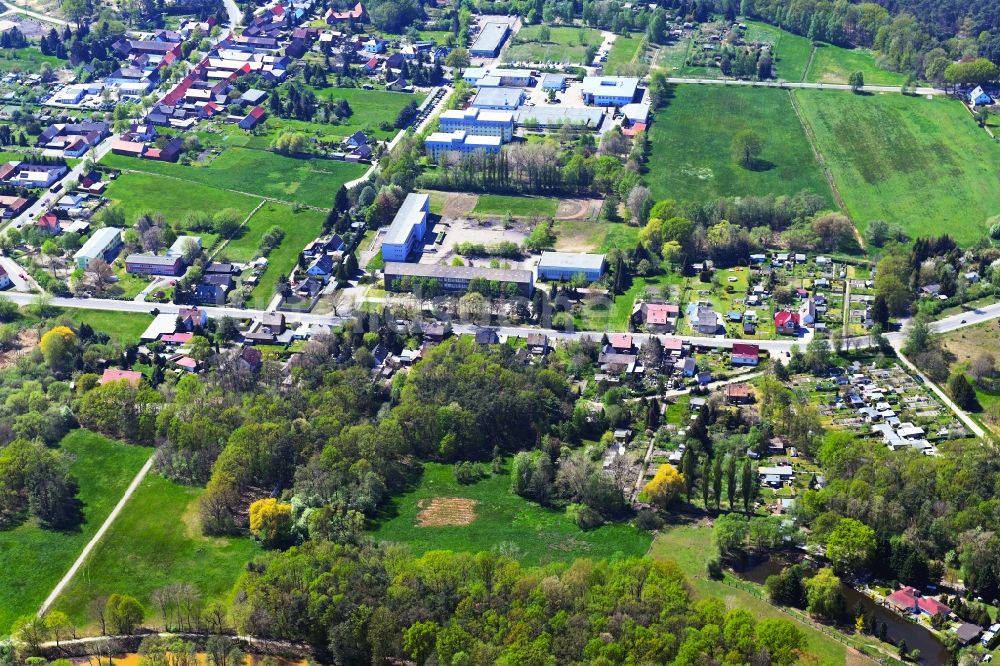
[932, 606]
[178, 338]
[782, 318]
[620, 340]
[257, 112]
[114, 375]
[905, 597]
[48, 221]
[744, 349]
[658, 313]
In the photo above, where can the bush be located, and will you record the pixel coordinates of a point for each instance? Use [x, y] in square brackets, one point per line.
[714, 568]
[468, 473]
[648, 520]
[584, 517]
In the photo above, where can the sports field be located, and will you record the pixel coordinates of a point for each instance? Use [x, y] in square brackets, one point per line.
[565, 45]
[909, 160]
[32, 559]
[833, 64]
[156, 541]
[499, 204]
[692, 138]
[442, 514]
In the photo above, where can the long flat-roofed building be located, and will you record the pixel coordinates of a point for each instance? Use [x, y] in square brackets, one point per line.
[439, 144]
[406, 277]
[479, 122]
[490, 40]
[545, 117]
[564, 265]
[498, 99]
[102, 244]
[408, 227]
[609, 90]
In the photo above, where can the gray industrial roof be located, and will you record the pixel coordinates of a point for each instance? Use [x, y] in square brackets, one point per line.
[579, 260]
[408, 215]
[458, 272]
[547, 116]
[98, 242]
[508, 98]
[491, 37]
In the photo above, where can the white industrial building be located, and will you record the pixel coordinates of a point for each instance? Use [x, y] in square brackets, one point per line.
[460, 141]
[609, 90]
[564, 265]
[479, 122]
[408, 227]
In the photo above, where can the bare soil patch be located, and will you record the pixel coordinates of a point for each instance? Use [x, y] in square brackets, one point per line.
[459, 205]
[26, 341]
[577, 209]
[446, 511]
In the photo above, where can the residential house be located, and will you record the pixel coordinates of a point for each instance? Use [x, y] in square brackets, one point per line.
[621, 343]
[192, 318]
[909, 599]
[116, 375]
[739, 394]
[252, 119]
[487, 336]
[786, 322]
[249, 359]
[5, 281]
[744, 354]
[214, 288]
[979, 97]
[656, 317]
[49, 223]
[538, 344]
[707, 322]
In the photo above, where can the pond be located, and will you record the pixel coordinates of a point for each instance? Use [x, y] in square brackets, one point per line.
[917, 637]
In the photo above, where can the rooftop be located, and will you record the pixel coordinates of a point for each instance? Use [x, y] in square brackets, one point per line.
[491, 37]
[409, 214]
[580, 260]
[457, 272]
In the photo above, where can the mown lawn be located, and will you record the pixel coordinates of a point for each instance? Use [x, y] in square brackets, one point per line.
[125, 327]
[149, 193]
[920, 163]
[300, 227]
[625, 51]
[565, 44]
[306, 181]
[502, 519]
[690, 546]
[691, 156]
[32, 559]
[833, 64]
[156, 541]
[500, 204]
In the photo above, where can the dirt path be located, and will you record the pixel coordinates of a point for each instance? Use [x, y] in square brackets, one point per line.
[101, 531]
[576, 209]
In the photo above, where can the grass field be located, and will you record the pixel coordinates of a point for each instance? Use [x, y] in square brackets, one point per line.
[588, 236]
[498, 517]
[907, 160]
[691, 145]
[300, 227]
[32, 560]
[833, 64]
[148, 193]
[370, 107]
[125, 327]
[671, 56]
[566, 44]
[27, 59]
[500, 204]
[791, 52]
[624, 51]
[691, 546]
[154, 542]
[306, 181]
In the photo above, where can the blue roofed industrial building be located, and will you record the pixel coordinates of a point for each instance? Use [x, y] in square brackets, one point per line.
[407, 228]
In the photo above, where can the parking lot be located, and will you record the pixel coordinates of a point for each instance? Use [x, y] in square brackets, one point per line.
[449, 233]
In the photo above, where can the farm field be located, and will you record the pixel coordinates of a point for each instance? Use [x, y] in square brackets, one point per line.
[301, 226]
[141, 193]
[625, 51]
[306, 181]
[791, 51]
[833, 64]
[563, 46]
[487, 515]
[691, 145]
[906, 160]
[156, 541]
[103, 469]
[499, 204]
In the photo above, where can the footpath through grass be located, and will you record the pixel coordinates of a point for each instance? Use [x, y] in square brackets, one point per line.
[690, 546]
[499, 519]
[32, 559]
[921, 163]
[156, 541]
[691, 156]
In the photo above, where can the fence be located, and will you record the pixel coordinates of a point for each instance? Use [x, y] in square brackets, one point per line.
[802, 618]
